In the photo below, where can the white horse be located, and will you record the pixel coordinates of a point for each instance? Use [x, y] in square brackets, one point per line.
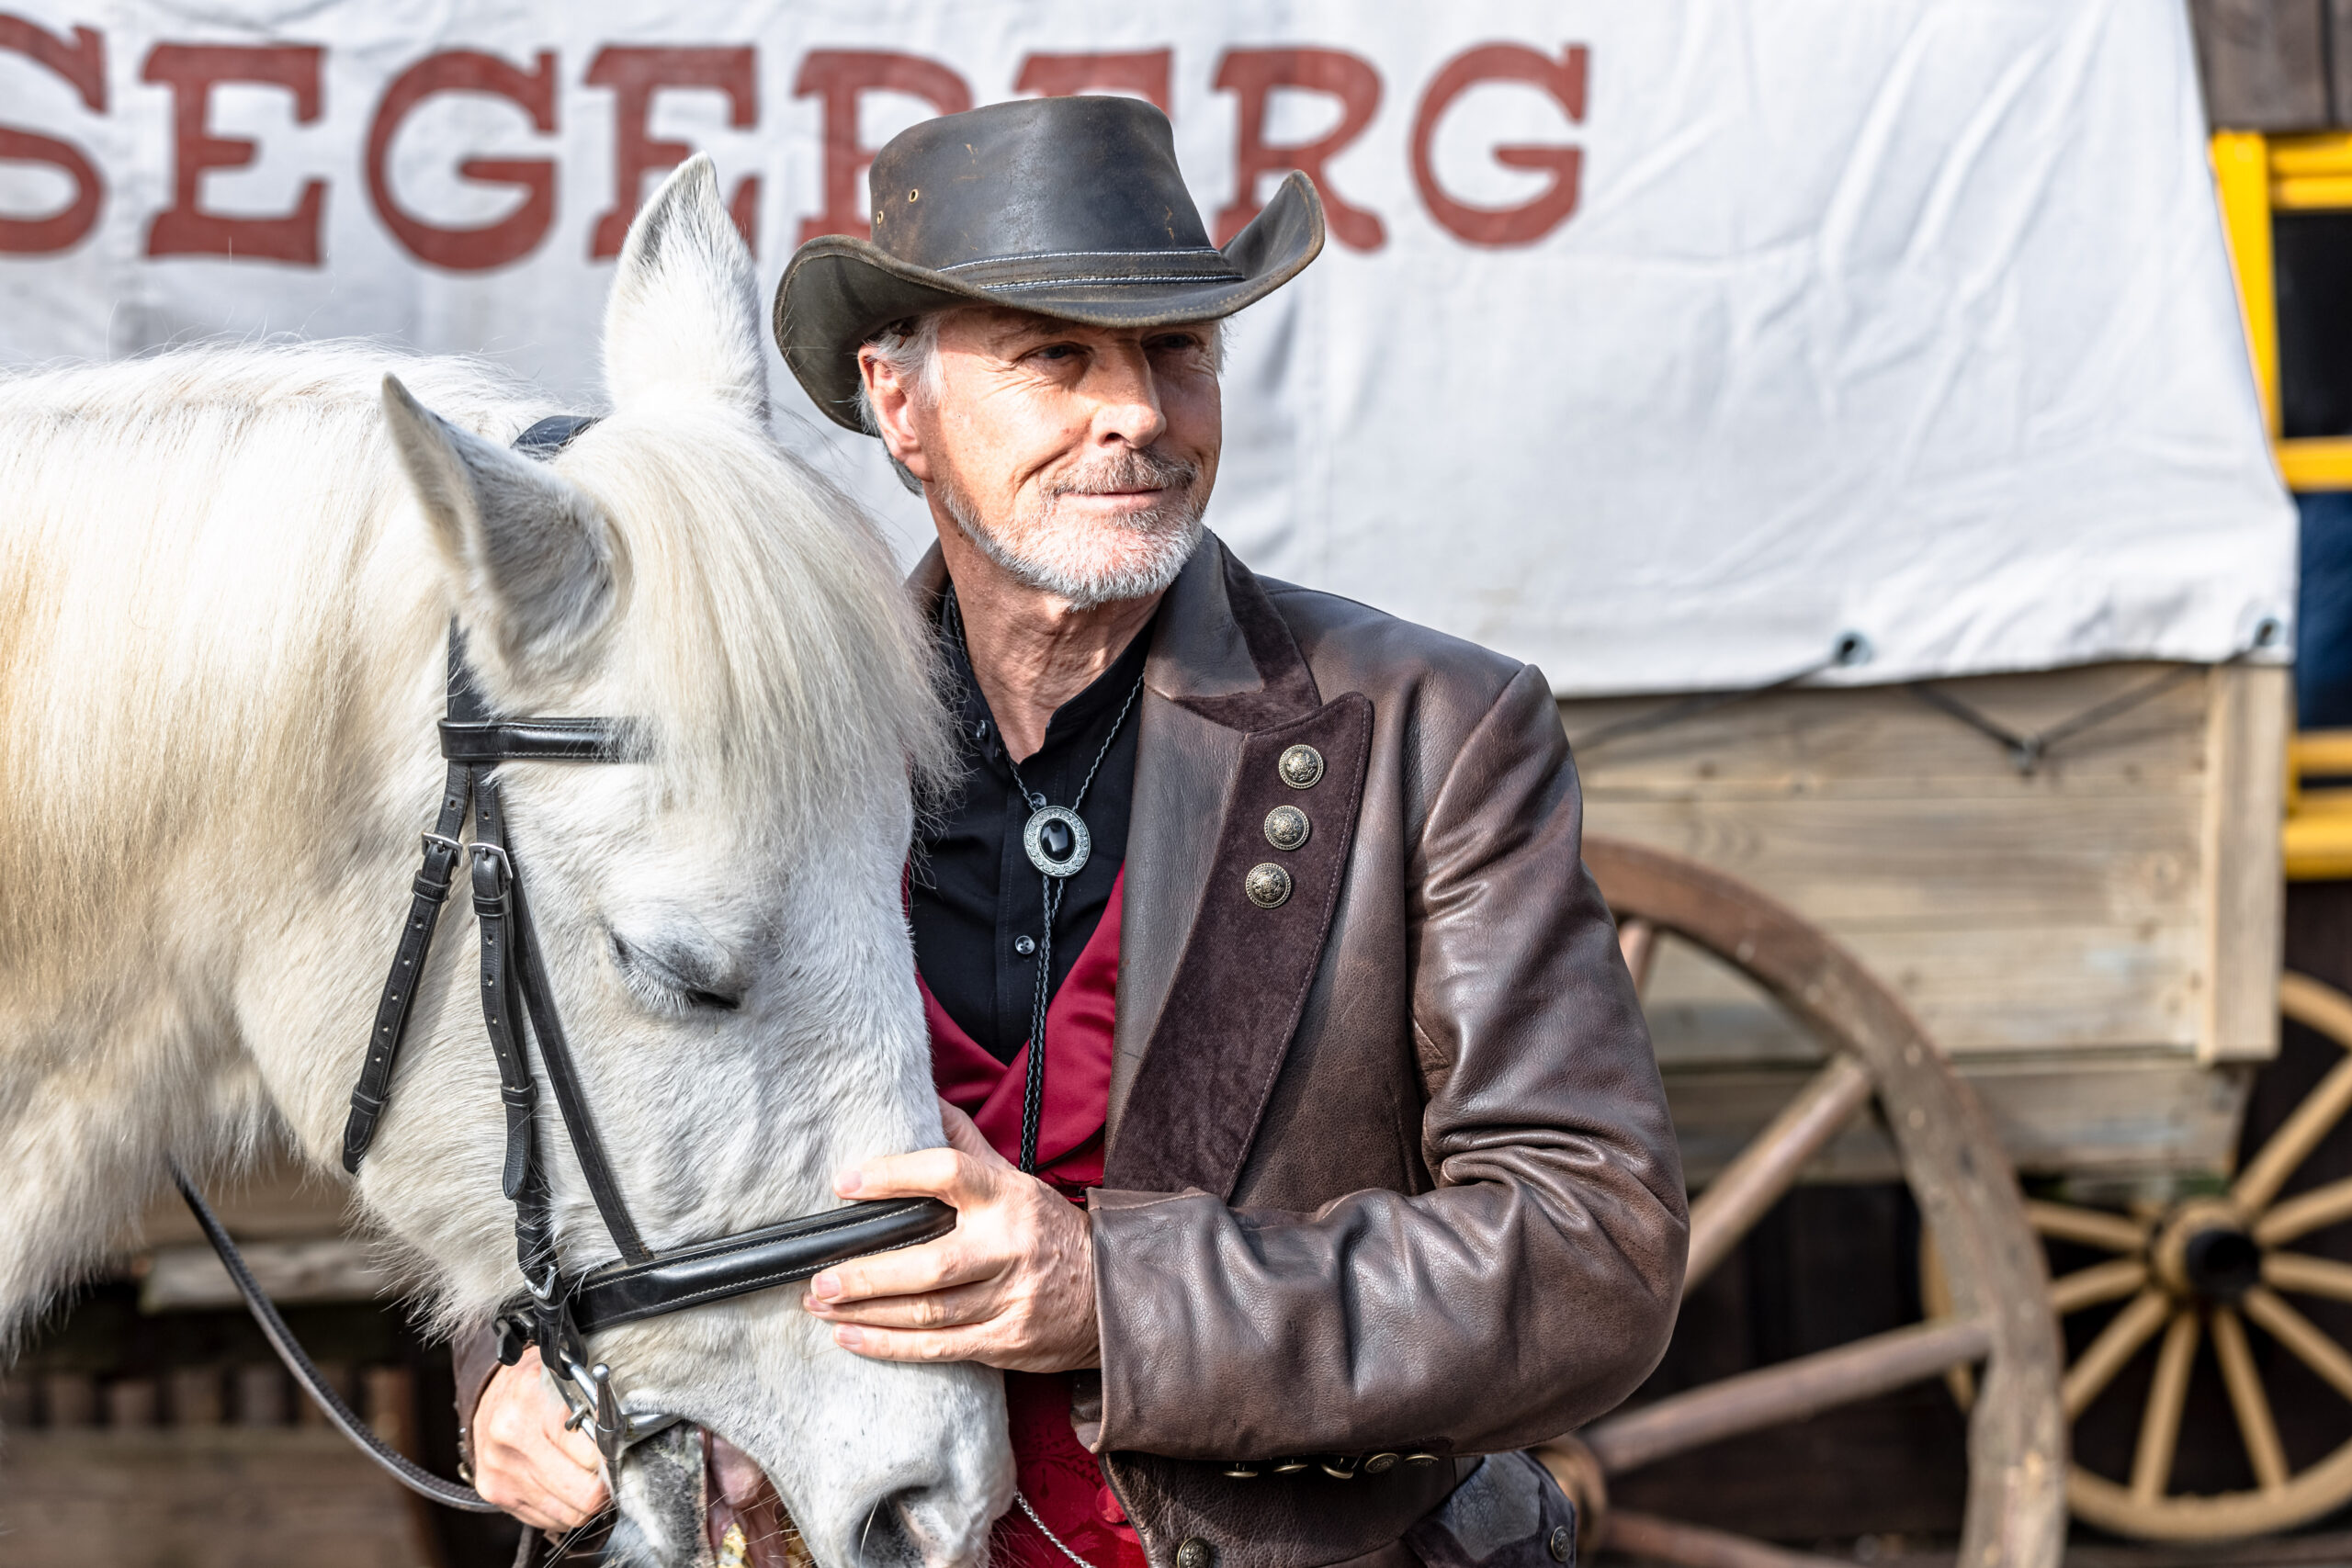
[225, 581]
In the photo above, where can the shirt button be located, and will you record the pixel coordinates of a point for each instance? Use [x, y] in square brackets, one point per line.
[1024, 945]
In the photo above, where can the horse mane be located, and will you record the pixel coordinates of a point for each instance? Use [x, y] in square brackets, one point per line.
[215, 584]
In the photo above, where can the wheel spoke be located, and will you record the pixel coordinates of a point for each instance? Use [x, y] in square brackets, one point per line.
[2115, 1347]
[2307, 1276]
[2256, 1427]
[2160, 1419]
[1790, 1392]
[2099, 1282]
[2301, 1337]
[1637, 940]
[2329, 1011]
[1754, 1182]
[2086, 1227]
[2305, 1213]
[1695, 1546]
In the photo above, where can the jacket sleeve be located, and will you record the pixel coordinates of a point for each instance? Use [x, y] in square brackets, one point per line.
[473, 1361]
[1536, 1285]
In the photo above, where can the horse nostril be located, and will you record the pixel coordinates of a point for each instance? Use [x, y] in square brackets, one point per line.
[886, 1542]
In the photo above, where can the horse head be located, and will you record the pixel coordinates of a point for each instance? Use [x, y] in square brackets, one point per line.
[721, 910]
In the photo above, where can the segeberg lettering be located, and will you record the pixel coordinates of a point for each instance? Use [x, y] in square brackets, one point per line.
[1254, 74]
[842, 77]
[82, 63]
[187, 228]
[635, 75]
[510, 237]
[1564, 79]
[1145, 73]
[832, 90]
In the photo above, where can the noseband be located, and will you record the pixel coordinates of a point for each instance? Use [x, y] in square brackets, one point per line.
[558, 1307]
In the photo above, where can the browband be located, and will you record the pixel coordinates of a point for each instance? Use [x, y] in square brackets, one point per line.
[524, 740]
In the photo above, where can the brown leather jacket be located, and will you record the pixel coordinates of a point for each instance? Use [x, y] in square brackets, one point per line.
[1389, 1168]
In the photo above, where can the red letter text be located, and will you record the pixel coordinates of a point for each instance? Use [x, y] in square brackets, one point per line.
[1254, 74]
[186, 229]
[1524, 224]
[82, 63]
[842, 76]
[636, 75]
[1144, 73]
[488, 244]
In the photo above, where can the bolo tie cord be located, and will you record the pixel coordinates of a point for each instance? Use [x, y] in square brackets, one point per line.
[1033, 1089]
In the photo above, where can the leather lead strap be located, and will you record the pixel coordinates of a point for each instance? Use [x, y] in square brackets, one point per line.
[421, 1482]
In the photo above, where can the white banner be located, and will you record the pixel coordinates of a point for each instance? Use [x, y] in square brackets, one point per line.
[1661, 344]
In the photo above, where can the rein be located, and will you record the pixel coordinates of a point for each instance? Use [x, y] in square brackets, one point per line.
[556, 1308]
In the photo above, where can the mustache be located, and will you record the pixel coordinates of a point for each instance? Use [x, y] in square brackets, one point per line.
[1132, 468]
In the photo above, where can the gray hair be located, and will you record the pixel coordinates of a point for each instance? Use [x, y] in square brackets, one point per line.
[910, 346]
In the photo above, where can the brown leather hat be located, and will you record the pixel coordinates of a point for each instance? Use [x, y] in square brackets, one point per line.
[1071, 207]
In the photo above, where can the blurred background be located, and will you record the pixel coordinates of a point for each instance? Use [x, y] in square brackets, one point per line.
[1915, 441]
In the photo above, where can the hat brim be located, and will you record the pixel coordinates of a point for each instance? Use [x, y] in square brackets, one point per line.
[840, 290]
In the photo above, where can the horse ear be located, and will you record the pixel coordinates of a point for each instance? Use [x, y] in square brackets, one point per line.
[531, 555]
[684, 311]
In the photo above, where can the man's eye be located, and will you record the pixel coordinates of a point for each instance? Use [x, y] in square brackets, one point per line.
[1057, 351]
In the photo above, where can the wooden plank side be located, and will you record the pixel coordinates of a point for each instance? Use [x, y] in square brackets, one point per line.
[1954, 863]
[2263, 64]
[2244, 895]
[1990, 990]
[1887, 740]
[2062, 910]
[222, 1497]
[2126, 1116]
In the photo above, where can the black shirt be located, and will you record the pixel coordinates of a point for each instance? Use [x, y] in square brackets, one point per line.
[975, 896]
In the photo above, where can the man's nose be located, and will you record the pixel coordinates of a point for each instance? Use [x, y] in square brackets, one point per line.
[1127, 398]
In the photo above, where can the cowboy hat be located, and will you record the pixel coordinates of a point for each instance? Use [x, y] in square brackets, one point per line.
[1071, 207]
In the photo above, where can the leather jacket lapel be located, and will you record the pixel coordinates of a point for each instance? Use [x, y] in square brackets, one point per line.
[1211, 986]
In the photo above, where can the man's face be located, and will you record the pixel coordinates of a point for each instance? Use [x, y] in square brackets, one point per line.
[1078, 459]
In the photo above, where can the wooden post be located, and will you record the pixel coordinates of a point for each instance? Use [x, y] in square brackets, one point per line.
[2244, 900]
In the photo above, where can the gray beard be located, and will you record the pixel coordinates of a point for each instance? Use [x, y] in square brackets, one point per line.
[1172, 530]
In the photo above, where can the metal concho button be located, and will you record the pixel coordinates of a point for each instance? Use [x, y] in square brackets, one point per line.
[1562, 1544]
[1195, 1553]
[1287, 827]
[1380, 1465]
[1268, 885]
[1301, 767]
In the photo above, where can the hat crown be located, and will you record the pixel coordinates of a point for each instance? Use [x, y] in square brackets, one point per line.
[1067, 178]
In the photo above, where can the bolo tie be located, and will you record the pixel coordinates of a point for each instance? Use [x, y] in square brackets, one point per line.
[1058, 845]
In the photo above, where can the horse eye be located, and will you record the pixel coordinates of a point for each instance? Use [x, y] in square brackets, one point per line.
[661, 986]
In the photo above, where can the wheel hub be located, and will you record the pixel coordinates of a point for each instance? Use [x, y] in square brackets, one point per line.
[2204, 1252]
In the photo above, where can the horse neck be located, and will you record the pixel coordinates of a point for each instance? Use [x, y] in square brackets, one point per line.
[218, 669]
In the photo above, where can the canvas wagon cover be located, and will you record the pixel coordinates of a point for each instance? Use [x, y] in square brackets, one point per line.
[1661, 344]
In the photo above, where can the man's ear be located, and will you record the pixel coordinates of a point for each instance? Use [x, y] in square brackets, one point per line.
[530, 556]
[683, 315]
[885, 411]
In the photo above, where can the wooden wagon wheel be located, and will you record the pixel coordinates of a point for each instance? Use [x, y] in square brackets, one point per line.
[2016, 1512]
[2196, 1273]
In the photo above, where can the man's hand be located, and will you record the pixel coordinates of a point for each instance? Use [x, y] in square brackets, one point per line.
[524, 1459]
[1013, 1286]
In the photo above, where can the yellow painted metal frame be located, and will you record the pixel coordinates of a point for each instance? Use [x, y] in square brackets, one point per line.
[2255, 176]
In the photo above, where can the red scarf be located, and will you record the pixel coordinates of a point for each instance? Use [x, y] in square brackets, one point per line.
[1060, 1479]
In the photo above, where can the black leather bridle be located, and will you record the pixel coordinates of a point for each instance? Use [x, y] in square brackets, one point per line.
[558, 1307]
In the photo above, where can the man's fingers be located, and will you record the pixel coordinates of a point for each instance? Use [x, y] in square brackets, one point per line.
[949, 1175]
[909, 1271]
[911, 1344]
[937, 1309]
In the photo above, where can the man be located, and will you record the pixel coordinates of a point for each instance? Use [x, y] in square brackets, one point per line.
[1372, 1170]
